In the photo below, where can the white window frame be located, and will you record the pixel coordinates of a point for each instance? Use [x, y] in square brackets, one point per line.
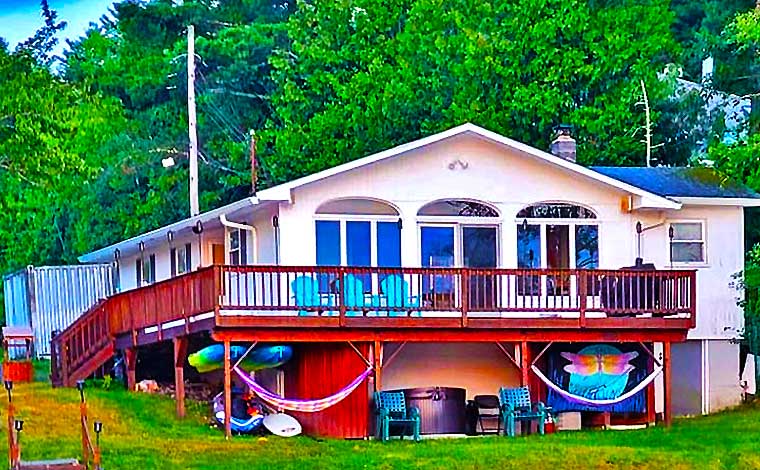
[144, 276]
[572, 224]
[459, 224]
[703, 240]
[181, 268]
[342, 219]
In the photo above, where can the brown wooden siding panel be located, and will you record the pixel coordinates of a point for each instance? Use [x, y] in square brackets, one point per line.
[319, 370]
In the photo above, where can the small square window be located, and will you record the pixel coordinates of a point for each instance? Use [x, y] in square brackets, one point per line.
[237, 247]
[688, 242]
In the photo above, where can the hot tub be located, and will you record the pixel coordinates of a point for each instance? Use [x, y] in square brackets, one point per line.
[442, 409]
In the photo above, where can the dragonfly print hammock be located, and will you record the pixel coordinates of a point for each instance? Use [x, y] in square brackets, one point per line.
[596, 402]
[305, 406]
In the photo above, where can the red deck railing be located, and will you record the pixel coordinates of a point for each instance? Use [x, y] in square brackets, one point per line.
[462, 292]
[280, 295]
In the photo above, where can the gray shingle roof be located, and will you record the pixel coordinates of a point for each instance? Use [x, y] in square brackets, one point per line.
[679, 181]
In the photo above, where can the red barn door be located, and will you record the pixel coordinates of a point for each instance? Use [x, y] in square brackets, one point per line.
[321, 369]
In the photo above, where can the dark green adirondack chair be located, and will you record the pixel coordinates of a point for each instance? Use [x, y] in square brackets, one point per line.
[516, 406]
[391, 410]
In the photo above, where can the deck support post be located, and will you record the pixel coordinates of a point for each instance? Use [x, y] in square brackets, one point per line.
[227, 391]
[650, 393]
[180, 356]
[377, 364]
[524, 363]
[130, 360]
[667, 383]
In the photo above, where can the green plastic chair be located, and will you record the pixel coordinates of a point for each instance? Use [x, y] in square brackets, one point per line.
[391, 409]
[516, 406]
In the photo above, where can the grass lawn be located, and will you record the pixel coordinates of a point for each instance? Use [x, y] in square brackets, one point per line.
[140, 432]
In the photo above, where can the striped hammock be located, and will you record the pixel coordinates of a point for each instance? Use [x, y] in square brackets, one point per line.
[305, 406]
[591, 402]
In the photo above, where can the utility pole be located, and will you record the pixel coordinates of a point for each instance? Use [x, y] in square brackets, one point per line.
[193, 150]
[254, 169]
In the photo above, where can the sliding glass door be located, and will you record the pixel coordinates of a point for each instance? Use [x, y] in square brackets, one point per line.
[479, 250]
[474, 246]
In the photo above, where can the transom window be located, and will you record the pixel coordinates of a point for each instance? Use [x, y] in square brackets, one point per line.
[688, 242]
[458, 208]
[556, 210]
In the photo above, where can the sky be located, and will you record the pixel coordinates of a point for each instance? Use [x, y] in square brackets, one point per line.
[19, 19]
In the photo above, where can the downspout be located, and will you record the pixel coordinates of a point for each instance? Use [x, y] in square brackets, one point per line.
[237, 225]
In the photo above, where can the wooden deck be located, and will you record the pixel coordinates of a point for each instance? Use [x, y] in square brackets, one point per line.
[306, 303]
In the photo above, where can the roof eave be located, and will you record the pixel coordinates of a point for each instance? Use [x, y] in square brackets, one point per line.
[105, 254]
[720, 201]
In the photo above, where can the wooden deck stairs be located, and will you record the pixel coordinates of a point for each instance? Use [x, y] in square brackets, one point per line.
[82, 348]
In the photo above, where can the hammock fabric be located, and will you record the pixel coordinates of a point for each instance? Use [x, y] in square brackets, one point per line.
[305, 406]
[591, 402]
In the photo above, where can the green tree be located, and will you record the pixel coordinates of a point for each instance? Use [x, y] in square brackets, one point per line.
[139, 58]
[360, 76]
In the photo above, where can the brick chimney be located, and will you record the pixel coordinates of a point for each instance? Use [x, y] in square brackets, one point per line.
[563, 144]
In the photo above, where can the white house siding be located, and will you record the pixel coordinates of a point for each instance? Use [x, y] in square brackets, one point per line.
[479, 368]
[723, 385]
[162, 252]
[502, 177]
[718, 315]
[265, 247]
[714, 377]
[509, 181]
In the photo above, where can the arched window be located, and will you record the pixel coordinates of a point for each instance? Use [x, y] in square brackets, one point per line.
[458, 232]
[555, 235]
[458, 208]
[357, 232]
[555, 210]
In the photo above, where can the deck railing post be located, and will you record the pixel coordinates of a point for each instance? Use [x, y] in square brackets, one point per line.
[582, 297]
[693, 298]
[341, 300]
[464, 280]
[218, 294]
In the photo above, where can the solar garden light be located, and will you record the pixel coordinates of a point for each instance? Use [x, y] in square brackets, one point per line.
[80, 387]
[98, 426]
[18, 425]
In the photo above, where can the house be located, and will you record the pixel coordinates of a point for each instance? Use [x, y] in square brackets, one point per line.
[460, 261]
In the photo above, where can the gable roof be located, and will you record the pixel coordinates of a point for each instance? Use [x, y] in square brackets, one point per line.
[680, 182]
[283, 192]
[662, 188]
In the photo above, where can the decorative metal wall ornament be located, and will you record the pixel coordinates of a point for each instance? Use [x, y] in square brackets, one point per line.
[472, 209]
[458, 163]
[458, 208]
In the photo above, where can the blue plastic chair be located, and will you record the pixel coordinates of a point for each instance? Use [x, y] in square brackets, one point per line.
[390, 409]
[516, 406]
[353, 295]
[396, 291]
[306, 293]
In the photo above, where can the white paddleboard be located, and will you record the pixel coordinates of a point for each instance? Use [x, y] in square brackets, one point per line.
[283, 425]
